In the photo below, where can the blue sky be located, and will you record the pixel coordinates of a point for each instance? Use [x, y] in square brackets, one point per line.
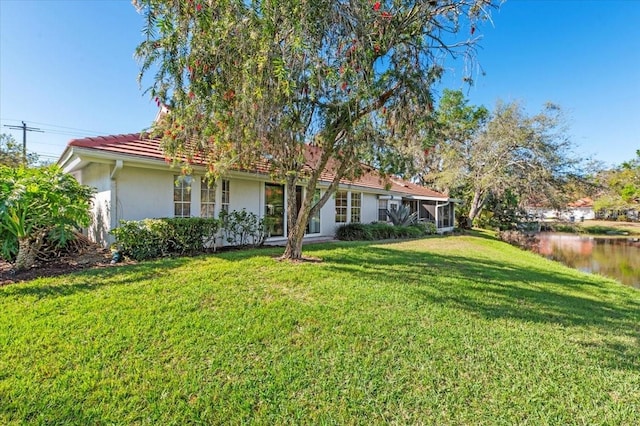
[67, 67]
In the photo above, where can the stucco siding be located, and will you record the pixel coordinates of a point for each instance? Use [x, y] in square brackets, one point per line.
[246, 194]
[328, 217]
[369, 208]
[97, 176]
[144, 193]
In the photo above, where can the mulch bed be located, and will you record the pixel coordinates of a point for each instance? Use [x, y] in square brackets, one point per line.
[91, 257]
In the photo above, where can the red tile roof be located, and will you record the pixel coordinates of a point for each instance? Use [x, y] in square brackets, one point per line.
[582, 202]
[141, 145]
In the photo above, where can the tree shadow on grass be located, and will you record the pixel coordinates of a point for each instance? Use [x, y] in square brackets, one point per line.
[505, 290]
[93, 279]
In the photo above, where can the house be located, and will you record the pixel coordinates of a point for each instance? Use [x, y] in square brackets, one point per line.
[578, 210]
[134, 181]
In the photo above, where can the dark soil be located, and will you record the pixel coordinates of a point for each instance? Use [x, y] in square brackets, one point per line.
[90, 257]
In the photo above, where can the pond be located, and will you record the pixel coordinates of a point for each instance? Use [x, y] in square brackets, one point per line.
[615, 257]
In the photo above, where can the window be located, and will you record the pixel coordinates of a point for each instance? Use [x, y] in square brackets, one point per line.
[207, 198]
[341, 206]
[274, 209]
[313, 224]
[182, 196]
[382, 211]
[356, 206]
[224, 204]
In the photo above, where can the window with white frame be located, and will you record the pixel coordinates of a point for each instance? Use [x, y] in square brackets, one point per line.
[341, 206]
[224, 203]
[182, 196]
[382, 211]
[356, 206]
[207, 198]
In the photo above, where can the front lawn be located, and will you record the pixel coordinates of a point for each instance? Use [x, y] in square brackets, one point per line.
[456, 330]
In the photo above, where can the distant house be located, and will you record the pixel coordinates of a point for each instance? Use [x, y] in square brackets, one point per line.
[134, 181]
[578, 210]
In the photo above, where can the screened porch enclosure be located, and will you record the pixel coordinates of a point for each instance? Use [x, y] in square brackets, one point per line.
[439, 212]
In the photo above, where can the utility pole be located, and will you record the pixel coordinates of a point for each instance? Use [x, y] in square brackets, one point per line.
[25, 129]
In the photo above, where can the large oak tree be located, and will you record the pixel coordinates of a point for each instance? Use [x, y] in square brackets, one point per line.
[252, 80]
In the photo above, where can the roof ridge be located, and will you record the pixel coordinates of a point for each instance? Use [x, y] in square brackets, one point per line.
[95, 141]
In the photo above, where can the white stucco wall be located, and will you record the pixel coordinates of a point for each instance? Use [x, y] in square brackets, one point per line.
[328, 217]
[246, 194]
[97, 176]
[144, 193]
[369, 208]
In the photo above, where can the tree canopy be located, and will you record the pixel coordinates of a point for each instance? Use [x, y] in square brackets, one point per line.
[620, 187]
[11, 152]
[246, 81]
[505, 154]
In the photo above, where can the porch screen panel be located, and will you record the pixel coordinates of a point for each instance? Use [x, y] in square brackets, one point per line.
[341, 207]
[274, 209]
[182, 196]
[445, 216]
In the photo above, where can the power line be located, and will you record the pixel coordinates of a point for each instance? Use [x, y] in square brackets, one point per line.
[25, 129]
[73, 129]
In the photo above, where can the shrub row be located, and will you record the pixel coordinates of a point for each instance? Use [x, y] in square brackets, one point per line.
[151, 238]
[383, 231]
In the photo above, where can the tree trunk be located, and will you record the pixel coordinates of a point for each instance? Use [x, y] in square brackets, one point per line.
[297, 218]
[26, 255]
[293, 250]
[476, 205]
[295, 235]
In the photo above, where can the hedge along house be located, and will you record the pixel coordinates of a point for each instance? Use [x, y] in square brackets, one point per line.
[134, 181]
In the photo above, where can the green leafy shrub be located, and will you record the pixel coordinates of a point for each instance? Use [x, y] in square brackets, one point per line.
[428, 228]
[38, 204]
[151, 238]
[193, 234]
[144, 239]
[243, 228]
[354, 232]
[383, 231]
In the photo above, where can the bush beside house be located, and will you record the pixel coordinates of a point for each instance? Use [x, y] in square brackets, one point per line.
[383, 231]
[152, 238]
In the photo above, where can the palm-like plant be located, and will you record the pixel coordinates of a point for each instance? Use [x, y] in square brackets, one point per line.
[402, 216]
[36, 203]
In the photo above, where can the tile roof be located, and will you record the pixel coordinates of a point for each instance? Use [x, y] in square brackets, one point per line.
[141, 145]
[582, 202]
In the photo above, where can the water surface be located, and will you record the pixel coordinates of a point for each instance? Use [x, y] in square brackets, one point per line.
[615, 257]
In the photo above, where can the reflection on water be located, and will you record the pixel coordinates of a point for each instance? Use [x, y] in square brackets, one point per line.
[618, 258]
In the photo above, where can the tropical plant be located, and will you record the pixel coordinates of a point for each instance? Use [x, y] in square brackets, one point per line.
[249, 81]
[39, 203]
[402, 216]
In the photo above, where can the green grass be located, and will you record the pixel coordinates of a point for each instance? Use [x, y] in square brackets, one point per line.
[456, 330]
[602, 227]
